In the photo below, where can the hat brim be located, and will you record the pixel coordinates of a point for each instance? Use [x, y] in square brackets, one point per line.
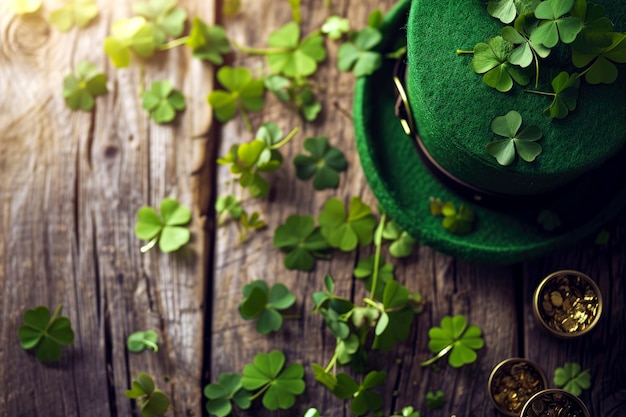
[403, 185]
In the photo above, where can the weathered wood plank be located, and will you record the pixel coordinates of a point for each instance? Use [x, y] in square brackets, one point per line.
[72, 183]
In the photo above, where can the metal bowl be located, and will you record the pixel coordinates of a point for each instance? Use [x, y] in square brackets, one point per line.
[513, 382]
[555, 402]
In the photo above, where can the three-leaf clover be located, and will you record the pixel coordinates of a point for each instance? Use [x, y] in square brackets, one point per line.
[79, 89]
[528, 51]
[524, 142]
[223, 394]
[75, 12]
[492, 59]
[323, 164]
[167, 229]
[343, 230]
[263, 304]
[139, 341]
[128, 36]
[151, 401]
[454, 337]
[435, 400]
[402, 244]
[45, 334]
[162, 101]
[228, 205]
[565, 95]
[279, 386]
[301, 241]
[242, 93]
[554, 25]
[358, 54]
[298, 92]
[572, 378]
[294, 58]
[208, 42]
[603, 69]
[335, 27]
[457, 221]
[166, 19]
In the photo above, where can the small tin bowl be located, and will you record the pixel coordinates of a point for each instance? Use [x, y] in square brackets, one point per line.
[567, 303]
[513, 382]
[555, 402]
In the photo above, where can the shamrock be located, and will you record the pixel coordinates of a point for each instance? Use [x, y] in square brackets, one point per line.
[572, 379]
[247, 160]
[343, 230]
[166, 19]
[565, 94]
[491, 59]
[335, 27]
[524, 142]
[456, 337]
[151, 401]
[242, 93]
[528, 51]
[224, 393]
[75, 12]
[279, 386]
[80, 89]
[141, 340]
[364, 270]
[358, 56]
[402, 243]
[208, 42]
[166, 229]
[603, 69]
[162, 101]
[263, 303]
[455, 221]
[435, 400]
[129, 35]
[504, 10]
[363, 398]
[228, 204]
[323, 164]
[346, 348]
[554, 26]
[25, 6]
[294, 58]
[302, 242]
[296, 91]
[45, 334]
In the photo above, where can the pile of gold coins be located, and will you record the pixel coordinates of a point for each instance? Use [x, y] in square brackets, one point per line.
[554, 403]
[513, 382]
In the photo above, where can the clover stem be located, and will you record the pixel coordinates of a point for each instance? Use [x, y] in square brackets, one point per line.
[261, 391]
[374, 304]
[440, 355]
[145, 248]
[245, 117]
[332, 362]
[259, 51]
[541, 93]
[536, 68]
[151, 345]
[462, 52]
[378, 237]
[341, 110]
[174, 43]
[286, 139]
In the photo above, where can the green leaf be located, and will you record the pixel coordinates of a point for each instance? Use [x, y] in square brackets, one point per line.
[565, 88]
[25, 6]
[358, 55]
[492, 59]
[138, 341]
[228, 204]
[402, 244]
[524, 54]
[504, 10]
[323, 163]
[226, 392]
[280, 386]
[523, 142]
[45, 334]
[601, 58]
[408, 412]
[346, 231]
[129, 35]
[572, 378]
[455, 221]
[166, 229]
[365, 399]
[74, 12]
[263, 303]
[208, 42]
[335, 27]
[301, 241]
[456, 337]
[80, 88]
[242, 92]
[151, 401]
[554, 25]
[364, 270]
[294, 58]
[435, 400]
[166, 19]
[162, 101]
[312, 412]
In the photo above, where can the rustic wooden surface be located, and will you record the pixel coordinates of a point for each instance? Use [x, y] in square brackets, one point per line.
[71, 183]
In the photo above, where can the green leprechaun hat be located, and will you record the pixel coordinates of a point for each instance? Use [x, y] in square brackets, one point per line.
[507, 150]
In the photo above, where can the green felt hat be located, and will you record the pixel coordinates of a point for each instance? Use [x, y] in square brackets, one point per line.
[522, 210]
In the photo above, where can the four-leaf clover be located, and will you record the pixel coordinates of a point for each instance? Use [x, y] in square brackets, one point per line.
[80, 89]
[524, 142]
[162, 101]
[572, 378]
[323, 164]
[263, 303]
[45, 334]
[167, 229]
[456, 338]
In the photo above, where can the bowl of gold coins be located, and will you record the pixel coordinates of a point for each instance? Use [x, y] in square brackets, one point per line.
[567, 303]
[513, 382]
[554, 402]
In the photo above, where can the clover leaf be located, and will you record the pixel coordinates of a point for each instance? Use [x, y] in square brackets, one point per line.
[524, 142]
[492, 59]
[208, 42]
[167, 229]
[138, 341]
[151, 401]
[25, 6]
[402, 244]
[301, 241]
[572, 378]
[166, 19]
[280, 386]
[323, 164]
[343, 230]
[292, 57]
[528, 51]
[358, 55]
[335, 27]
[504, 10]
[162, 101]
[228, 205]
[223, 394]
[312, 412]
[134, 35]
[74, 12]
[395, 321]
[242, 93]
[456, 338]
[79, 89]
[298, 92]
[603, 69]
[45, 334]
[593, 17]
[363, 398]
[262, 303]
[554, 25]
[565, 95]
[455, 221]
[364, 270]
[435, 400]
[408, 412]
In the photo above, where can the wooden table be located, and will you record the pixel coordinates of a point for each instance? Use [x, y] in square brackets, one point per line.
[72, 182]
